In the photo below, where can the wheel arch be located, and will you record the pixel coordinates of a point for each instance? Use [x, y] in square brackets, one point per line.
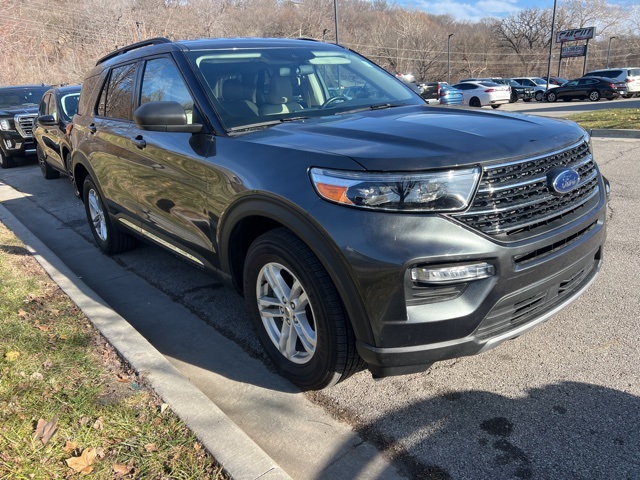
[251, 217]
[81, 170]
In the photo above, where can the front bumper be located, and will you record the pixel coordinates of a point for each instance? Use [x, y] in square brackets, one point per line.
[404, 333]
[14, 145]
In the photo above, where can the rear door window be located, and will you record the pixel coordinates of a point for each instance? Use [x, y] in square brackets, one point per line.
[117, 94]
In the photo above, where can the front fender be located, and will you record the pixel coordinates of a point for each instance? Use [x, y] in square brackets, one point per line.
[254, 214]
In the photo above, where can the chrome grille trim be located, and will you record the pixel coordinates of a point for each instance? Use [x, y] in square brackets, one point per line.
[514, 197]
[24, 124]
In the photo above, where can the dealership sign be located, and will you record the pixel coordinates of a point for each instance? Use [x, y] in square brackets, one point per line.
[575, 34]
[574, 51]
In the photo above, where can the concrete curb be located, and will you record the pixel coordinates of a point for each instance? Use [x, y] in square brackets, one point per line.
[614, 133]
[231, 447]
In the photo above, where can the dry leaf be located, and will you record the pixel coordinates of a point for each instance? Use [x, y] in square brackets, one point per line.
[44, 328]
[98, 424]
[82, 464]
[163, 407]
[45, 430]
[37, 376]
[22, 313]
[70, 446]
[120, 469]
[47, 364]
[150, 447]
[12, 356]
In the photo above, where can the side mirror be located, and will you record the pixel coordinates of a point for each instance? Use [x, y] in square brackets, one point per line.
[164, 117]
[47, 120]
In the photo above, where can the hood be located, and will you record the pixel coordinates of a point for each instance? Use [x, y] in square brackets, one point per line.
[420, 137]
[18, 110]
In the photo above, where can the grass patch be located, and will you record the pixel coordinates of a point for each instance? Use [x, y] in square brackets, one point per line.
[69, 405]
[614, 118]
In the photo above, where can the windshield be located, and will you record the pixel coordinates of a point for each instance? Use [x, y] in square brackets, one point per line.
[16, 96]
[258, 87]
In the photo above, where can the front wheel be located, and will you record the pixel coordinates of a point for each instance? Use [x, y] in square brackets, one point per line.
[297, 312]
[594, 95]
[551, 97]
[475, 102]
[6, 162]
[109, 239]
[539, 95]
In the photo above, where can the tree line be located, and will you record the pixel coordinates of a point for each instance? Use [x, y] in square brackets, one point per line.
[58, 41]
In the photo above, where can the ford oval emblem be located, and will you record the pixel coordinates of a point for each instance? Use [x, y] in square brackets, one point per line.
[562, 180]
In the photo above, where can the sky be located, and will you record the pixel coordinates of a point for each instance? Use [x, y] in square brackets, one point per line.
[474, 10]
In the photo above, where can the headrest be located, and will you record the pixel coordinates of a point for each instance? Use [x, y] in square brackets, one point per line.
[279, 91]
[232, 90]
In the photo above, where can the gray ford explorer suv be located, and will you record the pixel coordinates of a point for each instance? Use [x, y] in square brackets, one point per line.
[363, 227]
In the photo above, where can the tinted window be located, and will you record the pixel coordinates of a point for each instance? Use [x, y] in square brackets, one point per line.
[120, 92]
[69, 104]
[43, 105]
[162, 82]
[52, 108]
[86, 94]
[634, 72]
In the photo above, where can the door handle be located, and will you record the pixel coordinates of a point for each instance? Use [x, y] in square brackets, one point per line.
[139, 142]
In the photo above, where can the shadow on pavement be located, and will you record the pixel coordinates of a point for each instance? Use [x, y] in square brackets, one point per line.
[550, 433]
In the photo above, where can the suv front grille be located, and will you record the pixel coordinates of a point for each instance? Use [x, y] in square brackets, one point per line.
[514, 197]
[24, 125]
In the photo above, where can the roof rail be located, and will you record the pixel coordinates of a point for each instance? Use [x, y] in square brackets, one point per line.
[133, 46]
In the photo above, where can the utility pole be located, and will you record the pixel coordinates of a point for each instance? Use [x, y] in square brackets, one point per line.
[449, 58]
[553, 25]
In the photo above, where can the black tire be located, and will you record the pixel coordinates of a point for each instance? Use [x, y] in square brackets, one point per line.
[475, 102]
[495, 106]
[594, 95]
[70, 176]
[48, 172]
[628, 95]
[109, 239]
[527, 100]
[324, 353]
[513, 98]
[539, 96]
[551, 97]
[6, 162]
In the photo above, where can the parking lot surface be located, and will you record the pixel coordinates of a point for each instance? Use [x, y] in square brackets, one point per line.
[560, 402]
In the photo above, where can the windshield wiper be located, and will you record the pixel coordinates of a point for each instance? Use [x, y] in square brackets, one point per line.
[293, 119]
[378, 106]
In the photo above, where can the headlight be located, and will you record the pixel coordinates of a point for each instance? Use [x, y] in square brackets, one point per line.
[448, 190]
[5, 124]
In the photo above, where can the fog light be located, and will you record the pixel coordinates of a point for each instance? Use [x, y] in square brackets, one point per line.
[453, 274]
[9, 143]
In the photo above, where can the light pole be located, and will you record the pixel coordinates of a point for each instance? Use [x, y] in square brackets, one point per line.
[449, 58]
[335, 16]
[609, 50]
[553, 26]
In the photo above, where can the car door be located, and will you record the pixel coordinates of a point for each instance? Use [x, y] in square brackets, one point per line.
[110, 150]
[170, 177]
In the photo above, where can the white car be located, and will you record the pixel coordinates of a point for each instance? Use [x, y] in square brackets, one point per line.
[479, 94]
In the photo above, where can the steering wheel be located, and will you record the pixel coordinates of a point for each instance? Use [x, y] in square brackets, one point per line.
[332, 100]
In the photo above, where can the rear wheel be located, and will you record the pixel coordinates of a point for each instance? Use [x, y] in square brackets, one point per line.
[297, 312]
[551, 97]
[539, 95]
[48, 172]
[495, 106]
[475, 102]
[109, 239]
[594, 95]
[6, 162]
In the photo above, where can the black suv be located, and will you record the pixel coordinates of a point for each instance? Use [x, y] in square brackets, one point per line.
[51, 130]
[18, 109]
[362, 230]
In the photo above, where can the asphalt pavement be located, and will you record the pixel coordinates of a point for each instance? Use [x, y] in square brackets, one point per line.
[559, 402]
